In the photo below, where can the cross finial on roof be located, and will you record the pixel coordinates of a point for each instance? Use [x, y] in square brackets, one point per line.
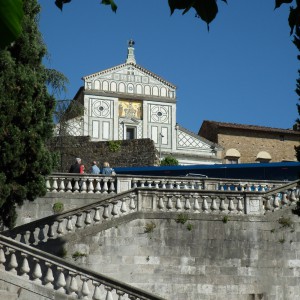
[130, 52]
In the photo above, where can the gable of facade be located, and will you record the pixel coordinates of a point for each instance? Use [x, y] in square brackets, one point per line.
[250, 143]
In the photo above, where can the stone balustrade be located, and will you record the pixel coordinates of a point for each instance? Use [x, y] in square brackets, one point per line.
[101, 184]
[61, 276]
[155, 201]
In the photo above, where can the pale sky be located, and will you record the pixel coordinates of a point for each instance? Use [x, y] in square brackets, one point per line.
[243, 71]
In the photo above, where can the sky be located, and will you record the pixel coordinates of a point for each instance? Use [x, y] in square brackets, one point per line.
[243, 70]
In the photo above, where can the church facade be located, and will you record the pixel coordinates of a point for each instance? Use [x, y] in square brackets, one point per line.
[129, 102]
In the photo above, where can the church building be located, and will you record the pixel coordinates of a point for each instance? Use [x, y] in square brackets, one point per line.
[128, 101]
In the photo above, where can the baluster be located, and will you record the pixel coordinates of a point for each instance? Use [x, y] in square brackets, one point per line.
[149, 183]
[98, 186]
[88, 219]
[83, 186]
[178, 183]
[204, 204]
[114, 210]
[120, 294]
[240, 206]
[156, 184]
[255, 187]
[199, 185]
[185, 185]
[60, 229]
[108, 293]
[171, 184]
[196, 203]
[284, 198]
[62, 185]
[132, 204]
[97, 217]
[61, 281]
[293, 195]
[163, 184]
[97, 292]
[187, 205]
[37, 271]
[50, 232]
[85, 288]
[2, 257]
[222, 204]
[91, 186]
[222, 186]
[73, 287]
[41, 235]
[25, 266]
[262, 188]
[69, 186]
[76, 186]
[213, 206]
[105, 186]
[54, 185]
[134, 184]
[49, 278]
[112, 188]
[268, 203]
[105, 214]
[78, 223]
[170, 202]
[276, 201]
[69, 226]
[231, 206]
[161, 204]
[236, 187]
[178, 203]
[48, 186]
[13, 264]
[123, 208]
[242, 188]
[142, 182]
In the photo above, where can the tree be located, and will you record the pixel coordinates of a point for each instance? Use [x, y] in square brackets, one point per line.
[169, 160]
[25, 118]
[297, 43]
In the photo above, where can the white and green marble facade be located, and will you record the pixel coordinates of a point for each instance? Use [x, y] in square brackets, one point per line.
[128, 99]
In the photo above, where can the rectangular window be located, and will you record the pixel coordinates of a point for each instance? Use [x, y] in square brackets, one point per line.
[130, 133]
[232, 161]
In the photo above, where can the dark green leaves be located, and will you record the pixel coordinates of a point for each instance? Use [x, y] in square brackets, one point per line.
[294, 18]
[279, 2]
[60, 3]
[11, 14]
[111, 3]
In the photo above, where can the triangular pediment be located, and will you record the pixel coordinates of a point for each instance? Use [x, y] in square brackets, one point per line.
[129, 78]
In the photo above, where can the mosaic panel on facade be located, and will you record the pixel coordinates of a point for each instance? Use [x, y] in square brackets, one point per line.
[188, 141]
[160, 114]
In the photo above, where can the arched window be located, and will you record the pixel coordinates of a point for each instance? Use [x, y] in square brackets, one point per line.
[263, 156]
[232, 156]
[105, 86]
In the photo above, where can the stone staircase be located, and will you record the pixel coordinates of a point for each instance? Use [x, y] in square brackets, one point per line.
[28, 268]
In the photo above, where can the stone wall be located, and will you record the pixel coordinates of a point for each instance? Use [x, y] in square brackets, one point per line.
[207, 257]
[249, 144]
[139, 152]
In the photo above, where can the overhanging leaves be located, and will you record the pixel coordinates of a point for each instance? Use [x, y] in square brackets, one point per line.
[111, 3]
[11, 15]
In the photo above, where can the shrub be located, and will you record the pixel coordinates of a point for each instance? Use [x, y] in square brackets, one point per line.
[114, 146]
[181, 218]
[58, 207]
[169, 161]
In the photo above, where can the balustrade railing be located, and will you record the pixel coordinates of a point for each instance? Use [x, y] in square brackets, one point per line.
[155, 200]
[101, 184]
[61, 276]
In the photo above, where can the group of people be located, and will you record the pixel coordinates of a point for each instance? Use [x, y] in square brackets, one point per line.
[78, 167]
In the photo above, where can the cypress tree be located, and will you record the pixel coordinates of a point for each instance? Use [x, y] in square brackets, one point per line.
[25, 118]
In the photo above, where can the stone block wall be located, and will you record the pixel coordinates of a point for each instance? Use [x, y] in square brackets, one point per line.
[249, 144]
[207, 258]
[138, 152]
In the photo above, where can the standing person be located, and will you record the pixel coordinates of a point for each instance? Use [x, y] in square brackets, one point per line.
[94, 168]
[75, 168]
[107, 170]
[81, 169]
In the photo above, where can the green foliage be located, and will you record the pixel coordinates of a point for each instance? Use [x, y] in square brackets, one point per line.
[149, 227]
[182, 218]
[169, 161]
[76, 255]
[189, 226]
[225, 219]
[114, 146]
[11, 15]
[25, 118]
[58, 207]
[285, 222]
